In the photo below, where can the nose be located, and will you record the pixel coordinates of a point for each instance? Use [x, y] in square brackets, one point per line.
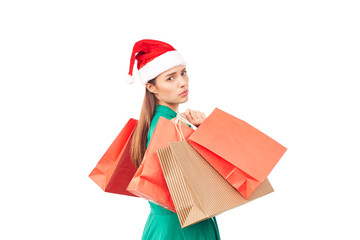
[183, 81]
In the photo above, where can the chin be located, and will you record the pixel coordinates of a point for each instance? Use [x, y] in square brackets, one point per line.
[184, 101]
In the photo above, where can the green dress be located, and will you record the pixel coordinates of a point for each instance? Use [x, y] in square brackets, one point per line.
[163, 223]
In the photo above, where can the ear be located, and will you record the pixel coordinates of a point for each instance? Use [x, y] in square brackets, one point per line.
[151, 88]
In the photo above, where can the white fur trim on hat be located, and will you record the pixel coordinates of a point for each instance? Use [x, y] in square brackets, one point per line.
[129, 79]
[160, 64]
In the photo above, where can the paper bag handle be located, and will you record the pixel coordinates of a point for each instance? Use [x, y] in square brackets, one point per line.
[177, 123]
[179, 117]
[182, 138]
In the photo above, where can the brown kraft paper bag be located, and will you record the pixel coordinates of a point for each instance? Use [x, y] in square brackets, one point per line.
[198, 191]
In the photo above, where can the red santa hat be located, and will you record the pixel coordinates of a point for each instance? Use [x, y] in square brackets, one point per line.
[153, 57]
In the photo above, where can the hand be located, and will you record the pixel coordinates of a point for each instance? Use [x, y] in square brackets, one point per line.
[194, 117]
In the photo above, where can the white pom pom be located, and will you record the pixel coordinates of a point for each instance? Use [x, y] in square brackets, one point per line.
[129, 79]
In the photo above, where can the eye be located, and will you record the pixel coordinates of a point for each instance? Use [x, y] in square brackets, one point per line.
[183, 73]
[170, 78]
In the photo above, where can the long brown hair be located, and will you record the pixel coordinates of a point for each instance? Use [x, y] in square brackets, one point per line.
[138, 142]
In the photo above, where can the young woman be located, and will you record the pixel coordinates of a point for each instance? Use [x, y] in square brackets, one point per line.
[163, 72]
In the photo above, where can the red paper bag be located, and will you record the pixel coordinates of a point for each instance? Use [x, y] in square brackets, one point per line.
[115, 169]
[242, 154]
[149, 181]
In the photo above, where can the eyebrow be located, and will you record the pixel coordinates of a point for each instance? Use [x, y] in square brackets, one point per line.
[184, 69]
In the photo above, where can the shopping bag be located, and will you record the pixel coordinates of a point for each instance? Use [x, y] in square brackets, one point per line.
[199, 192]
[242, 154]
[115, 169]
[148, 181]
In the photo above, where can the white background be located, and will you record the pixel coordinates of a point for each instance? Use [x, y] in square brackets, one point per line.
[289, 68]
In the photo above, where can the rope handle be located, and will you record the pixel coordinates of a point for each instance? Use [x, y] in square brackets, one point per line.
[178, 124]
[179, 117]
[182, 138]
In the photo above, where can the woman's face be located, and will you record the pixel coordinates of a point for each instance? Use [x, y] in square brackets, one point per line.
[170, 85]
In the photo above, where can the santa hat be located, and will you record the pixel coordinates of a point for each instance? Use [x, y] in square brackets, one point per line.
[153, 57]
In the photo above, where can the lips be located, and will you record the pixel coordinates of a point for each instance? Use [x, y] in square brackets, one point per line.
[184, 92]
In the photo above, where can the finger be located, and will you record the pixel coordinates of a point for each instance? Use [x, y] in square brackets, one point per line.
[187, 114]
[203, 115]
[196, 115]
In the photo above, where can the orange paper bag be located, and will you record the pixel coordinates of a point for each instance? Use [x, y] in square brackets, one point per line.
[149, 181]
[115, 169]
[242, 154]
